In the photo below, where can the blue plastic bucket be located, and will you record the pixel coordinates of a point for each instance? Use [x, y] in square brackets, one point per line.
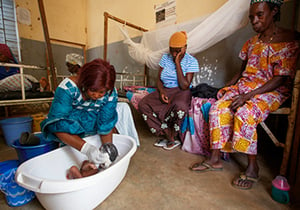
[15, 194]
[27, 152]
[13, 127]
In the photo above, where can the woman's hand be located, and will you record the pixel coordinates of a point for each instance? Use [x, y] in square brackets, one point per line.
[164, 98]
[95, 155]
[179, 56]
[271, 85]
[238, 101]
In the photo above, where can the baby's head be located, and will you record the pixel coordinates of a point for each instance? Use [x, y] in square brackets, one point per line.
[112, 153]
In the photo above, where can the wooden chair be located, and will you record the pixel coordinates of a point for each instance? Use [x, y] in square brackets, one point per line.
[291, 112]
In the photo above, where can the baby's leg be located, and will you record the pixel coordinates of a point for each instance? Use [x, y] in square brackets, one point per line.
[73, 173]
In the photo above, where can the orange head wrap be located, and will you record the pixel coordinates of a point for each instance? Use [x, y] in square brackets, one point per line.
[178, 39]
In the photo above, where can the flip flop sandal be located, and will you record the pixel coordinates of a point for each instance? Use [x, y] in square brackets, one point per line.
[161, 143]
[172, 145]
[244, 179]
[208, 167]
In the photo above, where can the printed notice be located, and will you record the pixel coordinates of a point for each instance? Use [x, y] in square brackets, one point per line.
[165, 13]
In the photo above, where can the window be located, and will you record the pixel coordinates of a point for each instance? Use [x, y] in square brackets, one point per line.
[8, 27]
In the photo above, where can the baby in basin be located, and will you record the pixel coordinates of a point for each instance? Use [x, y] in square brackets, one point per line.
[89, 168]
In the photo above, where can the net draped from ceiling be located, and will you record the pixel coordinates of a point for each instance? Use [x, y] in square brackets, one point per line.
[202, 33]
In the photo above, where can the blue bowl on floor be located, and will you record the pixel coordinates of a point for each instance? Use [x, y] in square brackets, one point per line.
[26, 152]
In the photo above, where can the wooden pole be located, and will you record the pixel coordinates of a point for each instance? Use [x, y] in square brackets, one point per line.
[125, 22]
[105, 35]
[48, 44]
[106, 16]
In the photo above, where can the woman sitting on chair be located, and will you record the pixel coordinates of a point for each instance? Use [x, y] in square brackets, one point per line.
[165, 109]
[264, 83]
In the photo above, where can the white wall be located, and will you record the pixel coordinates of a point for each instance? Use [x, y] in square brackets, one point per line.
[82, 21]
[66, 20]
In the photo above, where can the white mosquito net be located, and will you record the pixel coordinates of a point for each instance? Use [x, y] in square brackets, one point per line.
[202, 33]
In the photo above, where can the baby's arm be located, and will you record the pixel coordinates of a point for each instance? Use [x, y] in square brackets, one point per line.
[88, 169]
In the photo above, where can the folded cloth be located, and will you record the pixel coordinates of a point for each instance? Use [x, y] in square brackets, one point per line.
[126, 126]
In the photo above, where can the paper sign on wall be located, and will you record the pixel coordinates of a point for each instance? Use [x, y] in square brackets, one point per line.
[23, 16]
[165, 13]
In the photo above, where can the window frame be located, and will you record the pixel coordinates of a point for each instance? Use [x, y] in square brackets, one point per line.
[9, 33]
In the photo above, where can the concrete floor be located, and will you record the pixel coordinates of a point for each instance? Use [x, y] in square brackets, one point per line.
[159, 179]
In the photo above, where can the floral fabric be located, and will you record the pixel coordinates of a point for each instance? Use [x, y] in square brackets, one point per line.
[231, 131]
[162, 117]
[195, 129]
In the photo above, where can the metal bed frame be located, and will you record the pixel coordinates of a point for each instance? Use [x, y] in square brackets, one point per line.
[24, 100]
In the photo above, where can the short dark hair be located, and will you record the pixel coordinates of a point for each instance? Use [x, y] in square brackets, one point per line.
[96, 75]
[272, 6]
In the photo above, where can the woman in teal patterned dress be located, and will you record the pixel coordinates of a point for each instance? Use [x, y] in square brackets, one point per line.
[85, 105]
